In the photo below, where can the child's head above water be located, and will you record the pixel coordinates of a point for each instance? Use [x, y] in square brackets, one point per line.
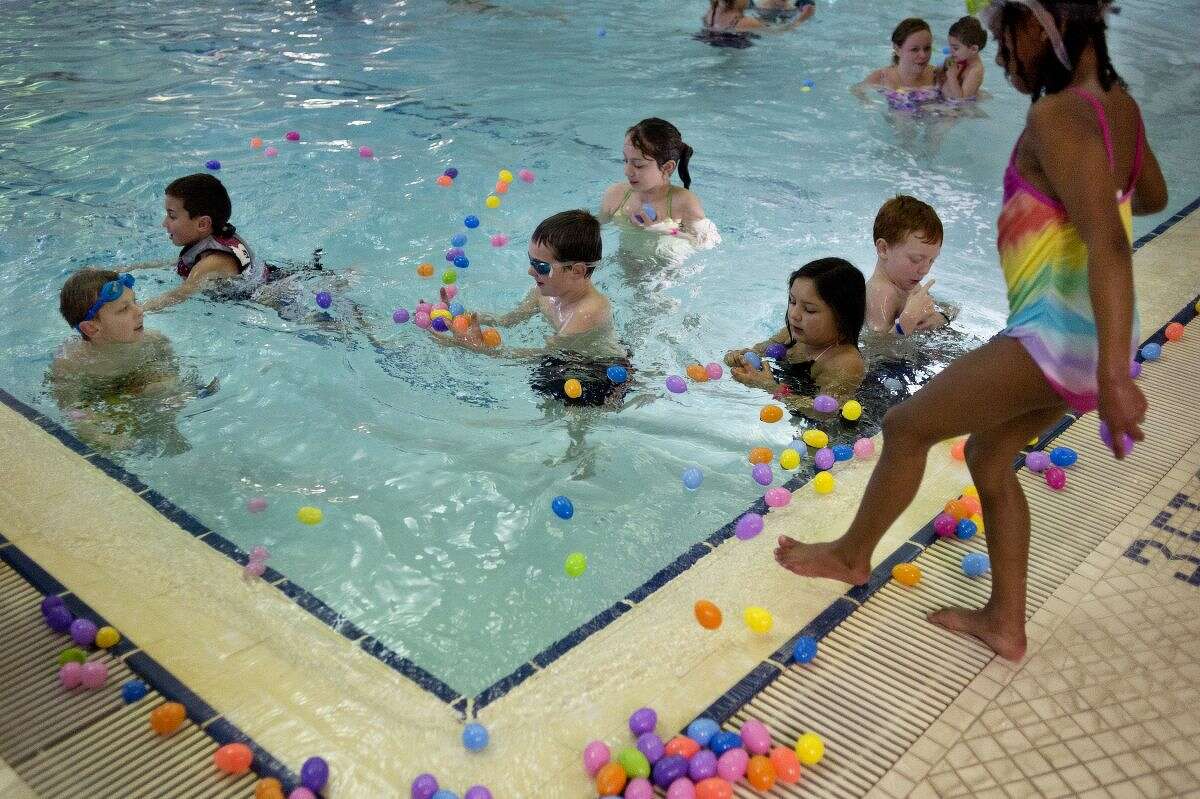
[966, 38]
[827, 302]
[563, 251]
[908, 237]
[101, 305]
[654, 149]
[912, 42]
[1041, 43]
[197, 206]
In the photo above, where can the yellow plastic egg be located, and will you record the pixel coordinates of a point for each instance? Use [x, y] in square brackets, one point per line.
[758, 619]
[441, 313]
[906, 574]
[506, 176]
[815, 438]
[823, 483]
[492, 201]
[806, 89]
[810, 749]
[309, 515]
[789, 459]
[107, 637]
[851, 411]
[978, 522]
[971, 491]
[572, 388]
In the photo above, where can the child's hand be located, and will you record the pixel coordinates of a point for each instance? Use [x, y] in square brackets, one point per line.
[917, 308]
[734, 358]
[758, 378]
[471, 337]
[1123, 408]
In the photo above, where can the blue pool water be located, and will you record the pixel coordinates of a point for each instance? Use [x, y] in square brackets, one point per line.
[435, 468]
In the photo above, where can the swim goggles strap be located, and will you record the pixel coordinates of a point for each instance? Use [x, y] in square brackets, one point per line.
[1044, 18]
[108, 292]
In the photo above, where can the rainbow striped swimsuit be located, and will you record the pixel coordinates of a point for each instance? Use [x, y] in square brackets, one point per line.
[1045, 265]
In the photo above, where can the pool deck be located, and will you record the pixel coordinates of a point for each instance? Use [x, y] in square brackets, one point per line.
[299, 688]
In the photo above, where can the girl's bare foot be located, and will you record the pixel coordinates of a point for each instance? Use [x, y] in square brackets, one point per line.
[819, 560]
[1007, 642]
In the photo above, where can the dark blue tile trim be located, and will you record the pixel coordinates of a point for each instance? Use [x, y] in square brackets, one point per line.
[568, 642]
[302, 597]
[747, 688]
[412, 671]
[663, 576]
[818, 628]
[501, 687]
[33, 574]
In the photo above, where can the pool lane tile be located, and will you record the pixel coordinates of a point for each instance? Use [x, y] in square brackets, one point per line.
[593, 625]
[412, 671]
[314, 605]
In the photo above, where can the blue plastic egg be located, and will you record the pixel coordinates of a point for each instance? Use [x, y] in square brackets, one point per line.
[462, 262]
[562, 507]
[440, 325]
[752, 360]
[975, 563]
[451, 173]
[1063, 457]
[723, 741]
[475, 736]
[456, 309]
[214, 165]
[692, 478]
[324, 299]
[618, 374]
[805, 649]
[458, 240]
[702, 730]
[1152, 351]
[965, 529]
[134, 690]
[471, 221]
[843, 452]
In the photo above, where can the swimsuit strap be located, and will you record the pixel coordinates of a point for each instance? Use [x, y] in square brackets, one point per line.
[1102, 119]
[1139, 152]
[669, 189]
[625, 199]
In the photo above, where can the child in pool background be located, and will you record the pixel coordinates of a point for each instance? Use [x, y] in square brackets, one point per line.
[825, 309]
[729, 16]
[653, 151]
[908, 237]
[962, 73]
[1079, 171]
[118, 383]
[791, 11]
[910, 81]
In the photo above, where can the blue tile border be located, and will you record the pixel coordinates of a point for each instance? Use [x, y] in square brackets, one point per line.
[498, 689]
[199, 712]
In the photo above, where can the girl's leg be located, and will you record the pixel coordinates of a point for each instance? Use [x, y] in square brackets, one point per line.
[987, 388]
[1001, 622]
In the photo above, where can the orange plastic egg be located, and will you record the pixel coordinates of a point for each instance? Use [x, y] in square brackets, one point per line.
[682, 746]
[761, 455]
[714, 788]
[268, 788]
[491, 337]
[610, 779]
[255, 143]
[696, 372]
[166, 718]
[1174, 331]
[906, 574]
[445, 180]
[958, 450]
[761, 773]
[787, 765]
[771, 413]
[425, 270]
[971, 504]
[708, 614]
[501, 187]
[957, 509]
[233, 758]
[461, 323]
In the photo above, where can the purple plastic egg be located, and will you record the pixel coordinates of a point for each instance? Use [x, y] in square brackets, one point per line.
[1135, 369]
[676, 385]
[682, 788]
[639, 788]
[823, 403]
[453, 253]
[83, 632]
[424, 786]
[775, 351]
[400, 316]
[324, 299]
[70, 674]
[302, 793]
[595, 756]
[777, 497]
[824, 459]
[1037, 461]
[945, 525]
[732, 765]
[762, 474]
[642, 720]
[93, 674]
[314, 773]
[1056, 478]
[439, 325]
[59, 619]
[756, 737]
[52, 601]
[702, 765]
[651, 746]
[1106, 437]
[669, 769]
[748, 526]
[477, 792]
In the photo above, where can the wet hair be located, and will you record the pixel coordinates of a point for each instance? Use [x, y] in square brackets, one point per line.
[970, 32]
[902, 215]
[842, 287]
[663, 142]
[80, 292]
[1081, 23]
[204, 195]
[906, 28]
[573, 235]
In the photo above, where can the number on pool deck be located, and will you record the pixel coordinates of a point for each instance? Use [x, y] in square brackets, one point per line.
[1134, 553]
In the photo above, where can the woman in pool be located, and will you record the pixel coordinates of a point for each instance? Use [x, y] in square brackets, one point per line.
[911, 80]
[646, 201]
[1079, 172]
[827, 301]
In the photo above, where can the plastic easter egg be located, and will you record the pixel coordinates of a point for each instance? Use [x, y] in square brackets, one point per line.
[762, 474]
[270, 152]
[668, 769]
[681, 744]
[58, 618]
[945, 525]
[304, 793]
[458, 240]
[365, 152]
[815, 438]
[107, 637]
[1106, 437]
[617, 374]
[758, 619]
[134, 690]
[563, 507]
[1151, 352]
[714, 788]
[975, 564]
[977, 520]
[256, 504]
[714, 370]
[400, 316]
[505, 176]
[842, 452]
[708, 614]
[422, 320]
[972, 505]
[212, 164]
[761, 455]
[676, 385]
[701, 731]
[760, 773]
[575, 564]
[770, 414]
[595, 755]
[863, 449]
[309, 515]
[445, 181]
[314, 773]
[451, 173]
[823, 403]
[462, 262]
[1174, 331]
[965, 529]
[498, 239]
[72, 654]
[1063, 457]
[471, 222]
[1056, 478]
[639, 788]
[491, 337]
[777, 497]
[752, 359]
[475, 737]
[526, 176]
[573, 388]
[70, 675]
[748, 526]
[500, 188]
[823, 482]
[634, 762]
[83, 632]
[51, 601]
[255, 143]
[292, 135]
[731, 764]
[268, 788]
[93, 674]
[906, 574]
[425, 786]
[449, 277]
[852, 410]
[1135, 370]
[492, 201]
[810, 749]
[692, 478]
[808, 83]
[477, 792]
[682, 788]
[824, 458]
[696, 373]
[756, 738]
[786, 765]
[650, 745]
[958, 450]
[702, 765]
[1037, 461]
[167, 718]
[789, 459]
[805, 649]
[425, 270]
[775, 351]
[233, 758]
[957, 509]
[642, 720]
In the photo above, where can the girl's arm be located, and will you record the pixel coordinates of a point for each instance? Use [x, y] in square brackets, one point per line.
[608, 203]
[1071, 154]
[523, 312]
[1150, 191]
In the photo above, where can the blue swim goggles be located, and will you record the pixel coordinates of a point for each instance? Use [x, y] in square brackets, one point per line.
[110, 291]
[541, 267]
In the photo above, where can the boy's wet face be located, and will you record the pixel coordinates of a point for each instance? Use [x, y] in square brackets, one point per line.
[117, 322]
[562, 276]
[810, 318]
[916, 50]
[961, 52]
[908, 262]
[180, 226]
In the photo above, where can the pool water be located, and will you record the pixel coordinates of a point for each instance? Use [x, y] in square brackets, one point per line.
[434, 467]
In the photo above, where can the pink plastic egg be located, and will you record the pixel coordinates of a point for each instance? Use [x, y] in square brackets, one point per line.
[93, 674]
[682, 788]
[864, 448]
[756, 737]
[714, 370]
[1056, 478]
[421, 320]
[777, 497]
[365, 152]
[499, 239]
[595, 755]
[731, 766]
[639, 788]
[292, 135]
[526, 176]
[256, 504]
[270, 152]
[944, 524]
[70, 674]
